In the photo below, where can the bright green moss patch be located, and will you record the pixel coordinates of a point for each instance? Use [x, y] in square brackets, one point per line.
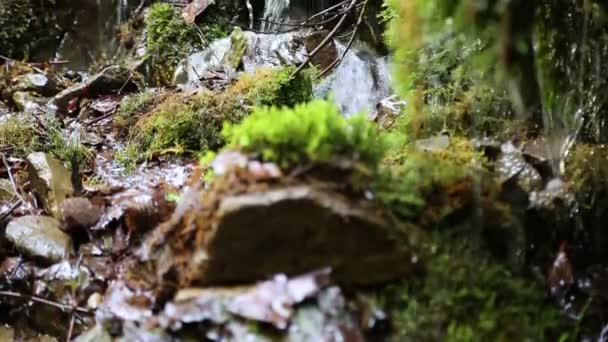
[170, 39]
[192, 123]
[311, 132]
[465, 296]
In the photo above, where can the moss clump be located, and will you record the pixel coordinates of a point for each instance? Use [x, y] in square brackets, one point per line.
[427, 186]
[65, 149]
[19, 136]
[312, 132]
[192, 123]
[131, 107]
[170, 39]
[465, 296]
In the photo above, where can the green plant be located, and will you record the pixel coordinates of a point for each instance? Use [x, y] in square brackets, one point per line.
[64, 148]
[19, 136]
[170, 39]
[192, 123]
[130, 107]
[465, 296]
[311, 132]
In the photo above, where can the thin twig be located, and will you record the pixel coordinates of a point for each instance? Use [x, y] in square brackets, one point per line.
[10, 210]
[325, 40]
[337, 62]
[71, 329]
[60, 306]
[10, 176]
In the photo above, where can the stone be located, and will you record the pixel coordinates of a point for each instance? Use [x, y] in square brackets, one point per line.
[97, 334]
[51, 180]
[238, 48]
[108, 81]
[37, 82]
[39, 236]
[259, 50]
[292, 230]
[27, 102]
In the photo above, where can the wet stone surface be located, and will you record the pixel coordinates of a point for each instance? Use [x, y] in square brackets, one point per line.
[39, 236]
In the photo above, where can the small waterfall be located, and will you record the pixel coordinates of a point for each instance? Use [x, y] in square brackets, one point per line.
[276, 12]
[359, 83]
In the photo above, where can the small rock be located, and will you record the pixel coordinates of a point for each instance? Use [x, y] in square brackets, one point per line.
[96, 334]
[79, 214]
[39, 236]
[51, 180]
[110, 80]
[27, 102]
[434, 144]
[36, 82]
[238, 47]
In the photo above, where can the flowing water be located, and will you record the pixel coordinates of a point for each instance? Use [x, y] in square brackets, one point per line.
[276, 12]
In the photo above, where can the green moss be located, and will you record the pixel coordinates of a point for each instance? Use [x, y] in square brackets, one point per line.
[311, 132]
[19, 137]
[131, 107]
[170, 39]
[192, 123]
[465, 296]
[427, 186]
[65, 149]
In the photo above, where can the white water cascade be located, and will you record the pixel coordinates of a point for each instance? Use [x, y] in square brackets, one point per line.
[276, 12]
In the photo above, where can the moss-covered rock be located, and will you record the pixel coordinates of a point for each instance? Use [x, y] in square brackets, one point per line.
[170, 39]
[192, 122]
[465, 296]
[312, 132]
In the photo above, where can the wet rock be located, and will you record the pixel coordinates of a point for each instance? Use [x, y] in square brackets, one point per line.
[39, 236]
[387, 111]
[67, 282]
[27, 102]
[38, 83]
[96, 334]
[51, 180]
[434, 144]
[303, 308]
[512, 164]
[291, 230]
[109, 81]
[324, 57]
[260, 50]
[238, 47]
[124, 304]
[79, 214]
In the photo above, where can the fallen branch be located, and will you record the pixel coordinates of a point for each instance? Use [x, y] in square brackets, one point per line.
[337, 61]
[327, 38]
[63, 307]
[12, 179]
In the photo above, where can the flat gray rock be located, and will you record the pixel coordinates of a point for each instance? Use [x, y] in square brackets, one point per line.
[39, 236]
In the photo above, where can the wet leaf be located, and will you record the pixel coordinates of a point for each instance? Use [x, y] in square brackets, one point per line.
[560, 274]
[272, 301]
[125, 304]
